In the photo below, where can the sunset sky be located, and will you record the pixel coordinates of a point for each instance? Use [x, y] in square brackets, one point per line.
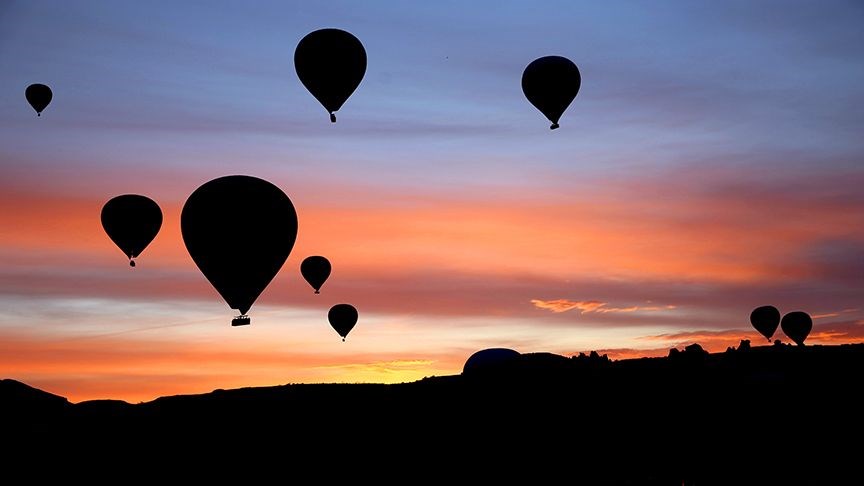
[712, 162]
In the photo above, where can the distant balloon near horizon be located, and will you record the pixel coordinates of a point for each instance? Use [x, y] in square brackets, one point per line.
[342, 318]
[490, 358]
[331, 64]
[131, 221]
[39, 96]
[765, 319]
[315, 270]
[551, 83]
[239, 230]
[797, 325]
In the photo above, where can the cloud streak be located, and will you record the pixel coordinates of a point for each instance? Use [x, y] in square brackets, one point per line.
[595, 306]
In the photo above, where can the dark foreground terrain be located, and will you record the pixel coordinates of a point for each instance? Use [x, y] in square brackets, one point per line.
[767, 415]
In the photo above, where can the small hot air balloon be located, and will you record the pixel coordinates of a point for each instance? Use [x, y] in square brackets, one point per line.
[330, 63]
[551, 83]
[315, 270]
[797, 325]
[131, 221]
[239, 230]
[39, 96]
[342, 317]
[765, 319]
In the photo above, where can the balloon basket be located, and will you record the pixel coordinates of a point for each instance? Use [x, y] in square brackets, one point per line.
[241, 321]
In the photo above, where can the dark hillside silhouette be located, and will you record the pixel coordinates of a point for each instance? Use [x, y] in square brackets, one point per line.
[18, 399]
[692, 416]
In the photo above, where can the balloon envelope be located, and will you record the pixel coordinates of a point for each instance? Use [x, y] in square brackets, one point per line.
[330, 63]
[488, 359]
[765, 319]
[342, 317]
[797, 325]
[239, 230]
[38, 95]
[316, 270]
[131, 221]
[551, 83]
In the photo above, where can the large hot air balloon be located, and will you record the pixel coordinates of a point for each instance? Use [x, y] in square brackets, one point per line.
[797, 326]
[131, 221]
[330, 63]
[342, 317]
[765, 319]
[38, 95]
[550, 83]
[315, 270]
[239, 230]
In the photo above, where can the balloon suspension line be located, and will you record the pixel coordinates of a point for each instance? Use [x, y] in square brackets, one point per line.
[554, 126]
[332, 117]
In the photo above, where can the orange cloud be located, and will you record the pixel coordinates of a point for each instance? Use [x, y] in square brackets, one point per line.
[564, 305]
[826, 315]
[588, 306]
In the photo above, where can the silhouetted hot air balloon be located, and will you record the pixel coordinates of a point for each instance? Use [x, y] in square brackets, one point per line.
[765, 319]
[342, 317]
[239, 230]
[551, 83]
[330, 63]
[315, 270]
[489, 359]
[38, 95]
[797, 326]
[131, 221]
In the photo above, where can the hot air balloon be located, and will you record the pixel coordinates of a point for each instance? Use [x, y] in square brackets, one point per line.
[765, 319]
[131, 221]
[489, 359]
[239, 230]
[330, 63]
[38, 95]
[342, 317]
[550, 83]
[315, 270]
[797, 326]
